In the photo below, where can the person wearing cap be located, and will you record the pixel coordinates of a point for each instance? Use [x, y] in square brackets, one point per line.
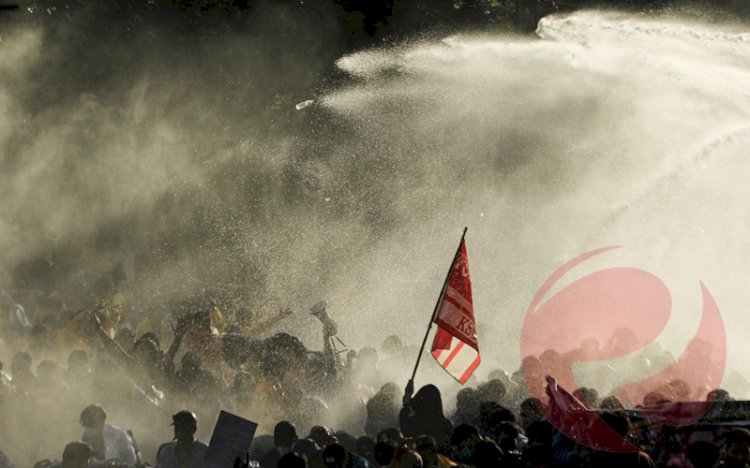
[185, 451]
[108, 442]
[284, 438]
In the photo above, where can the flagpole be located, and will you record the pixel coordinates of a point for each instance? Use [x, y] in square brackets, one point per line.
[434, 311]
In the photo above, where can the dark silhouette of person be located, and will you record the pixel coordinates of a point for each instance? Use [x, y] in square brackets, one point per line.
[491, 415]
[284, 438]
[423, 415]
[462, 441]
[383, 453]
[530, 411]
[428, 450]
[322, 436]
[382, 409]
[737, 453]
[192, 379]
[488, 455]
[336, 456]
[310, 450]
[703, 454]
[621, 425]
[506, 435]
[467, 407]
[292, 460]
[493, 390]
[185, 451]
[108, 442]
[76, 455]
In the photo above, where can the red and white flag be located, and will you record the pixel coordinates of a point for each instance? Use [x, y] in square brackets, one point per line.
[455, 344]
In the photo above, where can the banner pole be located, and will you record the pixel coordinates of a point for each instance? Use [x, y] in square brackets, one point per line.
[434, 311]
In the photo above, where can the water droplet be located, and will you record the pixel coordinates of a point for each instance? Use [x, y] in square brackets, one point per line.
[303, 104]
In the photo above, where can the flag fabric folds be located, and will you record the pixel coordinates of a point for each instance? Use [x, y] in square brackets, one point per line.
[455, 344]
[580, 423]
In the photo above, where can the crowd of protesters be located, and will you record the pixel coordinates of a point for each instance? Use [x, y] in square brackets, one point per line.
[110, 401]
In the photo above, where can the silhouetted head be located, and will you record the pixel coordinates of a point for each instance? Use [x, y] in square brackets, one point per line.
[367, 357]
[408, 459]
[93, 416]
[492, 414]
[494, 390]
[588, 396]
[146, 352]
[391, 435]
[76, 455]
[506, 436]
[383, 453]
[364, 445]
[347, 440]
[237, 349]
[654, 398]
[306, 447]
[612, 402]
[200, 319]
[334, 456]
[190, 362]
[718, 394]
[531, 411]
[185, 425]
[428, 449]
[703, 454]
[322, 436]
[282, 352]
[427, 401]
[465, 435]
[390, 389]
[284, 434]
[392, 345]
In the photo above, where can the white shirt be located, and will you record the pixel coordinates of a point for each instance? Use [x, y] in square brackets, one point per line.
[117, 445]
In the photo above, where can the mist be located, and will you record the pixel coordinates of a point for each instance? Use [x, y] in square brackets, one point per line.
[179, 153]
[611, 130]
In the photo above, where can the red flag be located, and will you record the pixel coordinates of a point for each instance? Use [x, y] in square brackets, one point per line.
[580, 423]
[455, 344]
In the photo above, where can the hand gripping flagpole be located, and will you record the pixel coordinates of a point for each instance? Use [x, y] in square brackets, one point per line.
[437, 305]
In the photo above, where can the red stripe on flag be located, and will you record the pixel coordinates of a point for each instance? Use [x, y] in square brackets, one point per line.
[452, 355]
[455, 304]
[465, 376]
[454, 316]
